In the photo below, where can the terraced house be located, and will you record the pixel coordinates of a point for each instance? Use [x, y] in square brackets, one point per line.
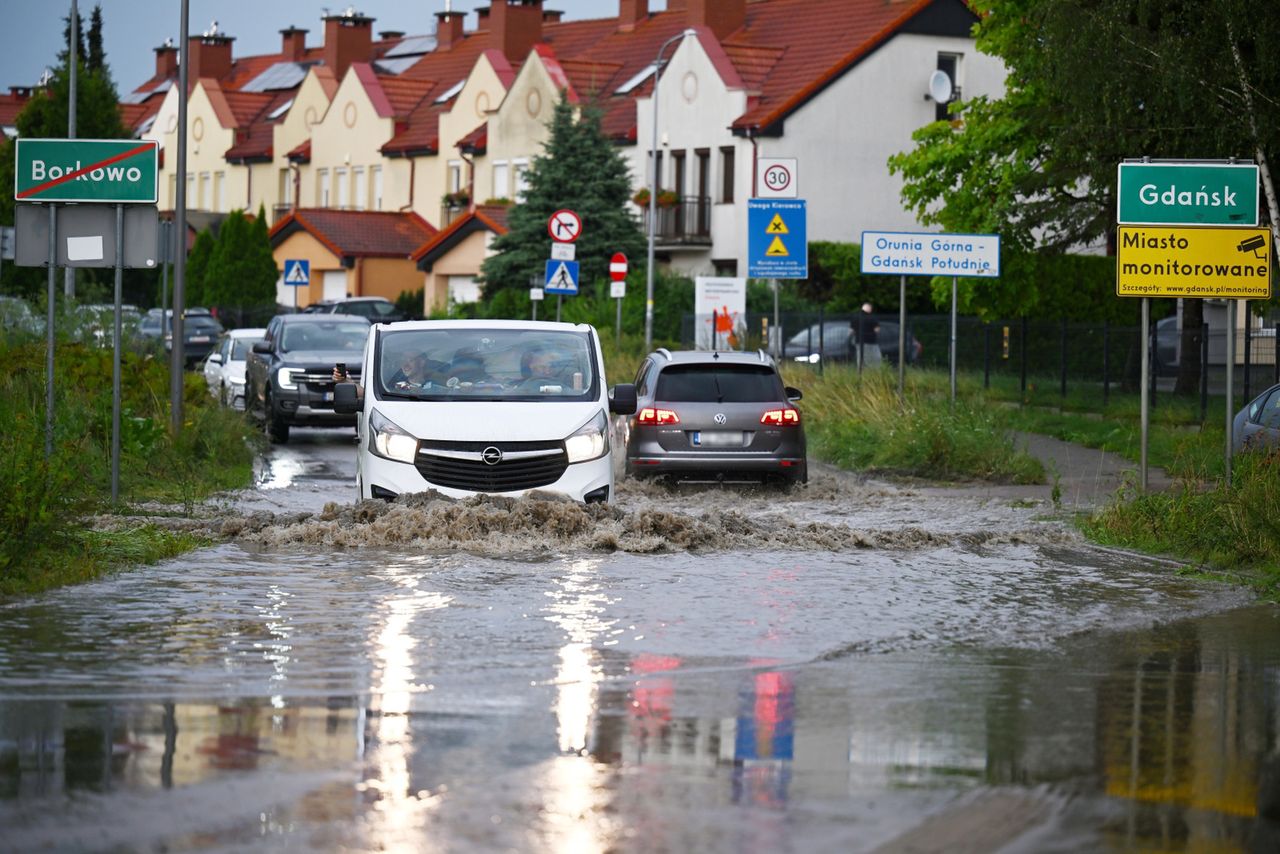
[436, 124]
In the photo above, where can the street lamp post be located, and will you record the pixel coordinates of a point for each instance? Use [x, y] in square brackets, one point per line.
[653, 187]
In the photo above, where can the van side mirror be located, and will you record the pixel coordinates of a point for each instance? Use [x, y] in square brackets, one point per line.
[345, 399]
[215, 358]
[622, 399]
[793, 394]
[263, 347]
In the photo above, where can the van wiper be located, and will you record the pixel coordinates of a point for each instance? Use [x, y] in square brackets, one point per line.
[398, 396]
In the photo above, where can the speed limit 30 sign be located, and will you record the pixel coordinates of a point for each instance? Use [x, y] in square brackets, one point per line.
[776, 178]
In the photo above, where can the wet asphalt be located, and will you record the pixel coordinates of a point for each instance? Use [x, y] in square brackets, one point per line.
[852, 666]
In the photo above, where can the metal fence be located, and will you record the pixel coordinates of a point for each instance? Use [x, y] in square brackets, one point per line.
[1057, 354]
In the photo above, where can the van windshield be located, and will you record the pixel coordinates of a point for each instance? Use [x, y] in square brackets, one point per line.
[505, 364]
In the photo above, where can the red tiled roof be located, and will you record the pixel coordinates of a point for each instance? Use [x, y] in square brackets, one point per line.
[301, 153]
[476, 141]
[491, 217]
[358, 233]
[404, 95]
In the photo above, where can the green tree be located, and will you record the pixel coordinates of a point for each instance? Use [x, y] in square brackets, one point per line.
[240, 278]
[1092, 82]
[580, 170]
[194, 291]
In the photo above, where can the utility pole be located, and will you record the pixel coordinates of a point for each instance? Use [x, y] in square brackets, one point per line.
[69, 273]
[178, 354]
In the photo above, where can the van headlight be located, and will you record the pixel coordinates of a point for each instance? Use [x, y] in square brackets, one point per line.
[590, 442]
[389, 441]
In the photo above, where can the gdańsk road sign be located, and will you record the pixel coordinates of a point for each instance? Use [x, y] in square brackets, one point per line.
[112, 171]
[1187, 194]
[1204, 263]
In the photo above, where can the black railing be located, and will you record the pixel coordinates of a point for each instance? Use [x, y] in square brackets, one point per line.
[687, 222]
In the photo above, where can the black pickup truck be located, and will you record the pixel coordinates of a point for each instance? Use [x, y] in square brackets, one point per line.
[289, 374]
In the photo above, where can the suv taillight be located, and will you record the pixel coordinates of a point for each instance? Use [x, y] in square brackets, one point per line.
[781, 417]
[657, 417]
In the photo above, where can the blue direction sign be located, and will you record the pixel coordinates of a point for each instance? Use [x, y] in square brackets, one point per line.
[777, 241]
[297, 273]
[562, 277]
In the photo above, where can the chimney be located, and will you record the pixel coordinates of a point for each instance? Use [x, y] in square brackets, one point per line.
[632, 13]
[551, 16]
[167, 60]
[722, 17]
[293, 44]
[677, 5]
[449, 29]
[516, 26]
[388, 35]
[209, 54]
[348, 38]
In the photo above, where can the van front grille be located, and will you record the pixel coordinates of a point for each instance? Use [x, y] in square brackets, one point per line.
[461, 465]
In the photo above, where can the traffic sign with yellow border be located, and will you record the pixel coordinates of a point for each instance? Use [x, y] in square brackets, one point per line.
[1201, 263]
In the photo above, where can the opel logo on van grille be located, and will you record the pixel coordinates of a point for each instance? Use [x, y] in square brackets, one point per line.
[720, 418]
[491, 455]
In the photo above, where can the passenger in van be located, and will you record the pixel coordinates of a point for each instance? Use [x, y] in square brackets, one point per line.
[541, 366]
[467, 367]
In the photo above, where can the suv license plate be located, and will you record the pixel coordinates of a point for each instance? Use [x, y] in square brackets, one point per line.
[717, 438]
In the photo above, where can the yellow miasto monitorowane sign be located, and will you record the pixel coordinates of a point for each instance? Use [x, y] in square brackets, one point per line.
[1203, 263]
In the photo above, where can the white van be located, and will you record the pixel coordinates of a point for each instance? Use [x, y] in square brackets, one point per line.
[484, 406]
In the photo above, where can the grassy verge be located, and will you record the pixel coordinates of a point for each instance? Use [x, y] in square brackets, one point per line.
[44, 500]
[858, 422]
[1233, 527]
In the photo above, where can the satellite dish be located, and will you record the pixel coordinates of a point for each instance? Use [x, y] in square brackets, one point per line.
[940, 86]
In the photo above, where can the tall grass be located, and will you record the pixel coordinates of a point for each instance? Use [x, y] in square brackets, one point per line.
[1233, 525]
[43, 500]
[857, 421]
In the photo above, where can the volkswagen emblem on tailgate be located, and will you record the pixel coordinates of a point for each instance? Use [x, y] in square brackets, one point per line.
[491, 455]
[720, 418]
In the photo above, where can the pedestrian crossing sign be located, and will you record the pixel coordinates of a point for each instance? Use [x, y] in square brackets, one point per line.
[562, 277]
[297, 273]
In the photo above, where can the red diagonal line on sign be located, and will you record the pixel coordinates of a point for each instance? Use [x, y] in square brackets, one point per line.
[71, 176]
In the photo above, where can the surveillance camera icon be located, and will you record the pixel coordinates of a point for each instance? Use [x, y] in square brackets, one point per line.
[1253, 244]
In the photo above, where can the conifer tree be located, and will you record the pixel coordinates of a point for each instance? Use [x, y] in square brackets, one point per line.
[580, 170]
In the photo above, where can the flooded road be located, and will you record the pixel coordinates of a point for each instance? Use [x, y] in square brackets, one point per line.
[854, 666]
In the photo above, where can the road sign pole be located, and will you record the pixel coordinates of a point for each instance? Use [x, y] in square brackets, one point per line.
[902, 338]
[49, 321]
[559, 300]
[954, 288]
[115, 359]
[776, 320]
[1231, 390]
[619, 325]
[1146, 393]
[176, 364]
[73, 68]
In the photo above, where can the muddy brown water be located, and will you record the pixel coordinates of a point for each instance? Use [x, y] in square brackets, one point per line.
[854, 666]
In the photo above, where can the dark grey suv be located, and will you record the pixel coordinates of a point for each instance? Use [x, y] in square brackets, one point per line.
[715, 416]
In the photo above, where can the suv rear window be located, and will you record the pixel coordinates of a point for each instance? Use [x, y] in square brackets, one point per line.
[719, 383]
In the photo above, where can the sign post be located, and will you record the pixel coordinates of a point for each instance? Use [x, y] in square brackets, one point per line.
[564, 226]
[1188, 229]
[954, 255]
[297, 274]
[618, 286]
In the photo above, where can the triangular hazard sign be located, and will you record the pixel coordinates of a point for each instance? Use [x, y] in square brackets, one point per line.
[777, 226]
[777, 250]
[295, 276]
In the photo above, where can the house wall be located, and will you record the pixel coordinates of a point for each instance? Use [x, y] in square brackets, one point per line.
[301, 245]
[310, 104]
[464, 260]
[474, 105]
[385, 277]
[518, 130]
[844, 137]
[347, 138]
[207, 143]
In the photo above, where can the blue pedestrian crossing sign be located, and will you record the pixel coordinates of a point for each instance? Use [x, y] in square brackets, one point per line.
[777, 239]
[297, 273]
[562, 277]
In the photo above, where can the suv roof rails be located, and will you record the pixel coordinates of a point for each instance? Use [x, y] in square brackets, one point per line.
[664, 351]
[764, 357]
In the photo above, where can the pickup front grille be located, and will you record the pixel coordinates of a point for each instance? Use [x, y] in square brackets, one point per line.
[461, 465]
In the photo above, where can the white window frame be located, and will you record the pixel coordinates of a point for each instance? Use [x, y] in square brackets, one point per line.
[361, 181]
[340, 178]
[519, 172]
[501, 187]
[377, 187]
[323, 190]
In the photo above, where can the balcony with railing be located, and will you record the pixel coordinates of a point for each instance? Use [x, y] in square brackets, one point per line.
[684, 223]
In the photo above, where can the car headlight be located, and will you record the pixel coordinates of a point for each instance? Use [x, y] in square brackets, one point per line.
[389, 440]
[590, 442]
[284, 377]
[237, 381]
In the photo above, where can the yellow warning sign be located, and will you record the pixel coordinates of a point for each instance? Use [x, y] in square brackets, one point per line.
[777, 226]
[1221, 263]
[777, 249]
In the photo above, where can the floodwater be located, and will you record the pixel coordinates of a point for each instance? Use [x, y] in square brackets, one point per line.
[853, 667]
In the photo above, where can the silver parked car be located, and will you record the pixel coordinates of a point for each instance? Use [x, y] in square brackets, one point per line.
[1257, 425]
[715, 416]
[224, 367]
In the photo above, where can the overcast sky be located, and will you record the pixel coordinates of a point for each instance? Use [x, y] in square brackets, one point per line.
[31, 32]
